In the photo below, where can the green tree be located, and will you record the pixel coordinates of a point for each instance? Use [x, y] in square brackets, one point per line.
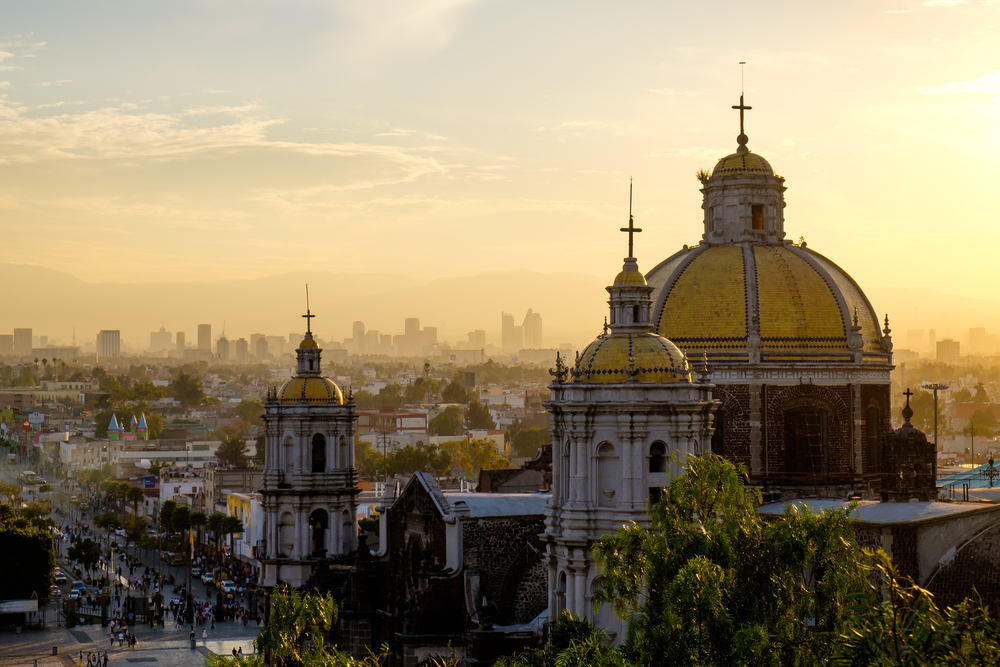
[455, 392]
[962, 396]
[922, 403]
[710, 582]
[425, 458]
[295, 618]
[980, 396]
[529, 440]
[154, 425]
[250, 412]
[108, 522]
[260, 450]
[28, 559]
[186, 389]
[475, 455]
[477, 416]
[86, 552]
[233, 451]
[449, 422]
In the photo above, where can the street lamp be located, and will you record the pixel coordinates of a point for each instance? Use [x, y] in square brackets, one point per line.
[936, 387]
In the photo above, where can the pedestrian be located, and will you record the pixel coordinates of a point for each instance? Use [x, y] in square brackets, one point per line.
[239, 653]
[234, 651]
[204, 634]
[105, 659]
[121, 638]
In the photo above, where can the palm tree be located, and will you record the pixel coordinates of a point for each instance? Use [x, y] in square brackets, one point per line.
[232, 526]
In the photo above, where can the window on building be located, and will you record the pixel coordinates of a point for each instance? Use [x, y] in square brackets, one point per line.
[658, 457]
[345, 454]
[607, 475]
[635, 314]
[318, 453]
[757, 213]
[318, 521]
[874, 443]
[806, 442]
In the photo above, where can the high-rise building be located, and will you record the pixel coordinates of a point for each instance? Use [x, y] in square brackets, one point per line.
[294, 339]
[506, 332]
[6, 345]
[275, 345]
[222, 348]
[160, 340]
[411, 328]
[932, 340]
[43, 341]
[977, 339]
[532, 330]
[180, 342]
[260, 349]
[477, 339]
[205, 337]
[948, 351]
[253, 342]
[22, 342]
[358, 337]
[430, 336]
[370, 343]
[241, 350]
[109, 343]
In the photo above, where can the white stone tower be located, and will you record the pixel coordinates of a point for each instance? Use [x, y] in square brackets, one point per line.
[310, 494]
[623, 421]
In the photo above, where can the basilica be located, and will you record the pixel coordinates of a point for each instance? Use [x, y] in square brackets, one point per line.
[748, 345]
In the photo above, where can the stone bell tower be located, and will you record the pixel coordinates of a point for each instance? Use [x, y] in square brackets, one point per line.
[310, 494]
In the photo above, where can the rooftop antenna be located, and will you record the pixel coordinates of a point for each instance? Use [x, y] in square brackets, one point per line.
[308, 314]
[742, 87]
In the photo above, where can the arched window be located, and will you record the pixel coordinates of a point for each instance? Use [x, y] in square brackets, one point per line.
[561, 592]
[345, 454]
[347, 530]
[317, 531]
[872, 436]
[719, 434]
[319, 453]
[608, 477]
[657, 457]
[635, 314]
[757, 213]
[806, 441]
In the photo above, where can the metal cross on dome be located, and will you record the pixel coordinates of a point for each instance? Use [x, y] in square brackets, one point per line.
[308, 316]
[742, 107]
[631, 229]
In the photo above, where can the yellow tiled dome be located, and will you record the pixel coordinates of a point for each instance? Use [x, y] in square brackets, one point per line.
[655, 359]
[802, 304]
[308, 342]
[310, 390]
[746, 163]
[628, 277]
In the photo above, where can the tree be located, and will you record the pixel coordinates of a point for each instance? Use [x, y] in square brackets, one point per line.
[135, 529]
[259, 451]
[710, 582]
[962, 396]
[455, 392]
[529, 440]
[423, 458]
[86, 552]
[922, 403]
[232, 526]
[250, 412]
[233, 451]
[187, 390]
[449, 422]
[27, 559]
[475, 455]
[980, 396]
[154, 425]
[295, 617]
[108, 521]
[477, 416]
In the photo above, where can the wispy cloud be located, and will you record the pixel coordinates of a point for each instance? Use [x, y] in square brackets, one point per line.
[49, 84]
[989, 83]
[943, 3]
[578, 127]
[898, 11]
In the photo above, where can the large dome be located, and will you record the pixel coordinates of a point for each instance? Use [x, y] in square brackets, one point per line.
[309, 390]
[802, 307]
[745, 163]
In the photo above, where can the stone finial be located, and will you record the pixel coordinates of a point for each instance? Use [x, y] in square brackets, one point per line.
[560, 371]
[632, 371]
[703, 372]
[886, 330]
[605, 325]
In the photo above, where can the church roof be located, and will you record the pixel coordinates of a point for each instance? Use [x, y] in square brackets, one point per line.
[617, 358]
[801, 304]
[312, 389]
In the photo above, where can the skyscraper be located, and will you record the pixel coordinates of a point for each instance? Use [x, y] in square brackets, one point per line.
[532, 330]
[108, 344]
[511, 335]
[260, 349]
[359, 337]
[477, 339]
[222, 348]
[180, 342]
[241, 351]
[6, 345]
[205, 337]
[22, 342]
[160, 340]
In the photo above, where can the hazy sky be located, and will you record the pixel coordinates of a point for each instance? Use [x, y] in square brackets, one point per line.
[150, 142]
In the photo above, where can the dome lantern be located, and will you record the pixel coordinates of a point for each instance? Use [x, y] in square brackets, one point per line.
[743, 199]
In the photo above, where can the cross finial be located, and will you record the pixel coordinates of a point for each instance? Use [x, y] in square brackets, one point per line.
[631, 229]
[742, 139]
[907, 410]
[308, 316]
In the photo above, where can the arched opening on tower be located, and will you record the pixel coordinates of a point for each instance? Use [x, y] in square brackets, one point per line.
[319, 453]
[318, 522]
[757, 215]
[873, 438]
[288, 453]
[806, 450]
[657, 457]
[561, 592]
[347, 531]
[286, 535]
[635, 314]
[345, 454]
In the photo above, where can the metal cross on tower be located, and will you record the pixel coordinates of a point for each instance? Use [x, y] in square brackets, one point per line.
[308, 316]
[631, 229]
[742, 107]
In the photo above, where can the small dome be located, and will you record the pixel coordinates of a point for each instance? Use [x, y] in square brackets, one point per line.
[630, 277]
[746, 163]
[308, 342]
[656, 359]
[310, 390]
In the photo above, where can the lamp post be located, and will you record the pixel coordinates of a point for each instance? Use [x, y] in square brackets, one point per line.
[936, 387]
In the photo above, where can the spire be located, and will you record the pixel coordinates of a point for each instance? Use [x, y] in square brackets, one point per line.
[631, 229]
[308, 316]
[742, 138]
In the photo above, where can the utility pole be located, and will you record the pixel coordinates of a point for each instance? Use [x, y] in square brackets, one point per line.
[936, 387]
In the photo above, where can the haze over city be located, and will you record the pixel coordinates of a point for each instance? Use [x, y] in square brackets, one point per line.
[244, 141]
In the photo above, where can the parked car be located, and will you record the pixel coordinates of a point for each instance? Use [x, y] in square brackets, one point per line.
[207, 579]
[74, 594]
[195, 571]
[120, 532]
[80, 588]
[55, 592]
[228, 586]
[60, 577]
